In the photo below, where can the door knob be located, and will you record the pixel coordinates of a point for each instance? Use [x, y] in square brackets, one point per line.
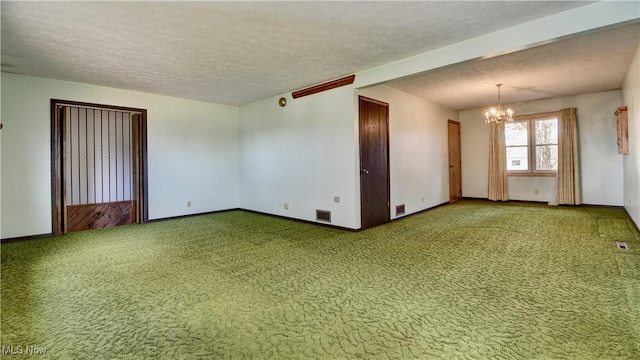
[365, 171]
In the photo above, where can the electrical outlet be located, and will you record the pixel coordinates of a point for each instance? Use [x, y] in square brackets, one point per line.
[286, 206]
[423, 199]
[188, 204]
[536, 192]
[336, 199]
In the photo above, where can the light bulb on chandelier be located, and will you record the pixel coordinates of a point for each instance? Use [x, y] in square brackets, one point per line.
[497, 114]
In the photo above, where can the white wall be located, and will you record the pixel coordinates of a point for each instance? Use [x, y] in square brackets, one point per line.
[631, 162]
[192, 151]
[302, 154]
[601, 165]
[306, 153]
[0, 159]
[418, 149]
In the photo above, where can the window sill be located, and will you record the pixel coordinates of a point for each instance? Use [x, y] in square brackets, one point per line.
[531, 174]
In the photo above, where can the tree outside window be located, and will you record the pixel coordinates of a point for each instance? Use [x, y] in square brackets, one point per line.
[532, 145]
[516, 135]
[546, 137]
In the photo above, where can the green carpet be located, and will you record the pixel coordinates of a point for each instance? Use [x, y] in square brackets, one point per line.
[471, 280]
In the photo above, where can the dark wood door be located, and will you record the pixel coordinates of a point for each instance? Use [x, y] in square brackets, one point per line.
[455, 162]
[374, 162]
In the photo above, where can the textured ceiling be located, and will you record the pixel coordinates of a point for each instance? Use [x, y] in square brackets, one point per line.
[593, 62]
[239, 52]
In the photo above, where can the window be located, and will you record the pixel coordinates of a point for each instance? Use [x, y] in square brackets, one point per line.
[532, 145]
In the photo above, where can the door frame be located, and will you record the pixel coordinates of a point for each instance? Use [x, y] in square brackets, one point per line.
[57, 157]
[457, 123]
[388, 199]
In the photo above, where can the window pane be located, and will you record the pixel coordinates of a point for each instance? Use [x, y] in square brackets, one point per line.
[517, 158]
[546, 131]
[547, 157]
[515, 133]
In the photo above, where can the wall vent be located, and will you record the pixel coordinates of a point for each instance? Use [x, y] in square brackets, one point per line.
[323, 215]
[400, 209]
[622, 245]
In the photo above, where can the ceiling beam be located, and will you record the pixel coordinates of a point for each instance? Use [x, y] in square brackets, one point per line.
[520, 37]
[347, 80]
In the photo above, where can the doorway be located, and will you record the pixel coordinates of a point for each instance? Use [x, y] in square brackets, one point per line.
[374, 162]
[98, 155]
[455, 162]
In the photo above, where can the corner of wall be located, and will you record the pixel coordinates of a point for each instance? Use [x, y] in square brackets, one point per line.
[298, 158]
[631, 162]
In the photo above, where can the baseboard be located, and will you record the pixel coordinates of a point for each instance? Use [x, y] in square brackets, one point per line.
[599, 206]
[191, 215]
[254, 212]
[24, 238]
[342, 227]
[421, 211]
[40, 236]
[511, 201]
[338, 227]
[630, 218]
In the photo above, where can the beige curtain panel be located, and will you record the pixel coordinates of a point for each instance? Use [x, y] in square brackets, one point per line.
[568, 158]
[497, 164]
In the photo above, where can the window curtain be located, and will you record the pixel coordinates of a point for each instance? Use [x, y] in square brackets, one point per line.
[497, 164]
[568, 159]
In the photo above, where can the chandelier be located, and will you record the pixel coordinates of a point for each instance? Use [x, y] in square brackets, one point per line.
[496, 114]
